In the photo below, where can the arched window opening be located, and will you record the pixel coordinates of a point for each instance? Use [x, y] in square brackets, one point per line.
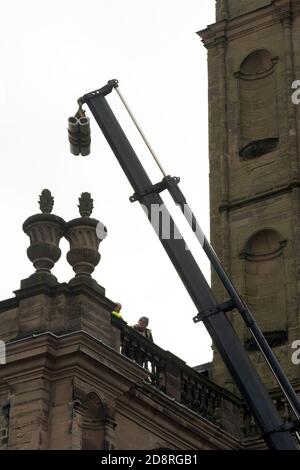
[265, 287]
[259, 133]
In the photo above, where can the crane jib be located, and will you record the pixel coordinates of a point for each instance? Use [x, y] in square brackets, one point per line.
[276, 434]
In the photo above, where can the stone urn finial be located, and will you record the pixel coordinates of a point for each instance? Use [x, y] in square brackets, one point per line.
[45, 231]
[84, 235]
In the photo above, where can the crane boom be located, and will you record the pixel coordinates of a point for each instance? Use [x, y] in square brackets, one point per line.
[277, 435]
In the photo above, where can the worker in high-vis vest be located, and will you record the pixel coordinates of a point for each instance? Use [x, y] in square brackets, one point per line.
[117, 310]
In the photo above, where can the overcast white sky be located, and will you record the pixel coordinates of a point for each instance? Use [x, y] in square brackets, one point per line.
[54, 52]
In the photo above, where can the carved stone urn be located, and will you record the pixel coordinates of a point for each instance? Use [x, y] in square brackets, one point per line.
[45, 231]
[84, 235]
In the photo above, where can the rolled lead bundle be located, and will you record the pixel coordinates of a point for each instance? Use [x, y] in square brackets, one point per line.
[85, 136]
[74, 135]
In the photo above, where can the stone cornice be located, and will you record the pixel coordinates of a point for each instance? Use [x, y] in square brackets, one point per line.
[214, 33]
[53, 290]
[246, 23]
[100, 367]
[65, 354]
[8, 304]
[147, 398]
[238, 203]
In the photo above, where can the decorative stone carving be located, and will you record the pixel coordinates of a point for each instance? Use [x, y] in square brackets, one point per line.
[84, 238]
[86, 205]
[46, 201]
[78, 395]
[45, 231]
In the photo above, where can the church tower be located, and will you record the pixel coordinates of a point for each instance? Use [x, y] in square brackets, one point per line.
[254, 125]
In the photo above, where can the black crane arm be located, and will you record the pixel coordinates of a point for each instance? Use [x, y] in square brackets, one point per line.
[213, 315]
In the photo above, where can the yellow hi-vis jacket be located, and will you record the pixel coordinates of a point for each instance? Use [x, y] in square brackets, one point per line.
[116, 314]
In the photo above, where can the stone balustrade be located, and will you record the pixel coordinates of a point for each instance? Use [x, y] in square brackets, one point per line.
[175, 378]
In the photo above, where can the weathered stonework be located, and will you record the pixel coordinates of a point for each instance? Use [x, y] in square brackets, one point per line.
[77, 377]
[253, 58]
[73, 389]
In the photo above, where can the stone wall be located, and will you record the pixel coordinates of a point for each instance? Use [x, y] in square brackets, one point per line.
[254, 168]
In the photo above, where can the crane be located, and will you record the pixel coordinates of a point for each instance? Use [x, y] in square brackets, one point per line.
[277, 434]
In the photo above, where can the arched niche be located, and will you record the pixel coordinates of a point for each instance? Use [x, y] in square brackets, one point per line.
[265, 286]
[259, 132]
[93, 424]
